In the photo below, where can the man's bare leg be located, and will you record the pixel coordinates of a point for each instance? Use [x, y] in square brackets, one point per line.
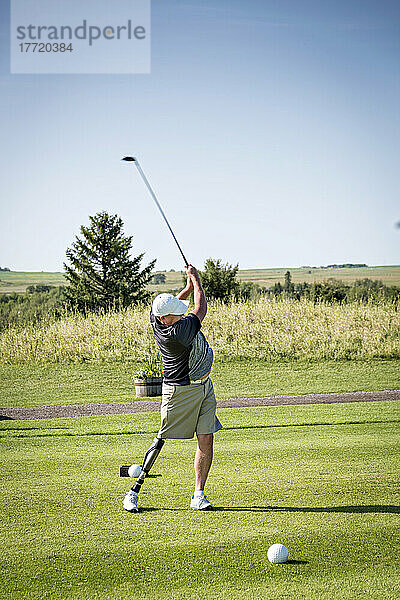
[203, 459]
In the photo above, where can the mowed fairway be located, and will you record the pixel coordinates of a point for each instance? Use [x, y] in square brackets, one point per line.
[323, 480]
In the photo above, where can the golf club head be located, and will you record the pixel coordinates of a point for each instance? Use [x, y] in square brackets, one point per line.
[129, 158]
[123, 471]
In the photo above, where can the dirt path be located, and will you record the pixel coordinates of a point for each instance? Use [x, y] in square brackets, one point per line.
[117, 408]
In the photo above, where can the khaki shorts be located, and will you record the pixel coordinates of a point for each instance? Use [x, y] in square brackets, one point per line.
[188, 409]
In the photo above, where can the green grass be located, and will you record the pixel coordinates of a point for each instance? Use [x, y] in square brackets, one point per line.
[35, 385]
[17, 281]
[323, 480]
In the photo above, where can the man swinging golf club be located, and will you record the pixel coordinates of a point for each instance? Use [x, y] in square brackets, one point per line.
[188, 400]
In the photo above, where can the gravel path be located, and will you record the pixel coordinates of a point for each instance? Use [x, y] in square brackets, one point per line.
[117, 408]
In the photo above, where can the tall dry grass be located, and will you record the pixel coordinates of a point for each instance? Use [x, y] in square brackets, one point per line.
[268, 329]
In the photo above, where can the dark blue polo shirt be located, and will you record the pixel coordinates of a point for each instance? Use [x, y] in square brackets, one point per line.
[175, 343]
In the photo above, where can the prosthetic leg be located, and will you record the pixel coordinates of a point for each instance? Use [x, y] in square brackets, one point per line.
[148, 462]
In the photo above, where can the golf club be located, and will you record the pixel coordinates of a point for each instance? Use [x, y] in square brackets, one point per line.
[139, 168]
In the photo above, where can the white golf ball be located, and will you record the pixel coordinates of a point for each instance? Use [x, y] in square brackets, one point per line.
[277, 554]
[134, 470]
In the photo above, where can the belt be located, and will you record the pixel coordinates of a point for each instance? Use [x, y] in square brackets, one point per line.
[202, 380]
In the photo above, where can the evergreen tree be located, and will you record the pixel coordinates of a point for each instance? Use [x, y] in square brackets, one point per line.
[288, 286]
[101, 272]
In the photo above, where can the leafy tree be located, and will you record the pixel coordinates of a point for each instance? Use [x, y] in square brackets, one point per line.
[327, 291]
[277, 289]
[301, 289]
[219, 280]
[31, 307]
[41, 288]
[249, 291]
[245, 290]
[158, 278]
[101, 272]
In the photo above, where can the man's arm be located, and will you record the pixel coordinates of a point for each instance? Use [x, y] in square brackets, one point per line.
[185, 293]
[200, 302]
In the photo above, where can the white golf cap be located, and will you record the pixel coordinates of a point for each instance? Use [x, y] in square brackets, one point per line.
[167, 304]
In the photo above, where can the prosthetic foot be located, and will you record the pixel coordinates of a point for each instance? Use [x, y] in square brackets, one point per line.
[148, 462]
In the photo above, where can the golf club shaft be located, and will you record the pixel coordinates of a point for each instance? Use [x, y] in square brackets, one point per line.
[139, 168]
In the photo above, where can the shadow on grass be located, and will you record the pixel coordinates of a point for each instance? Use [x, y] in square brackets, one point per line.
[33, 428]
[19, 432]
[373, 508]
[154, 431]
[146, 509]
[319, 424]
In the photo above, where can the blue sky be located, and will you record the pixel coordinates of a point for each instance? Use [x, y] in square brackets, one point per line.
[269, 131]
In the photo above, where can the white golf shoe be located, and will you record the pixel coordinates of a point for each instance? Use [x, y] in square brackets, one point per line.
[130, 501]
[200, 503]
